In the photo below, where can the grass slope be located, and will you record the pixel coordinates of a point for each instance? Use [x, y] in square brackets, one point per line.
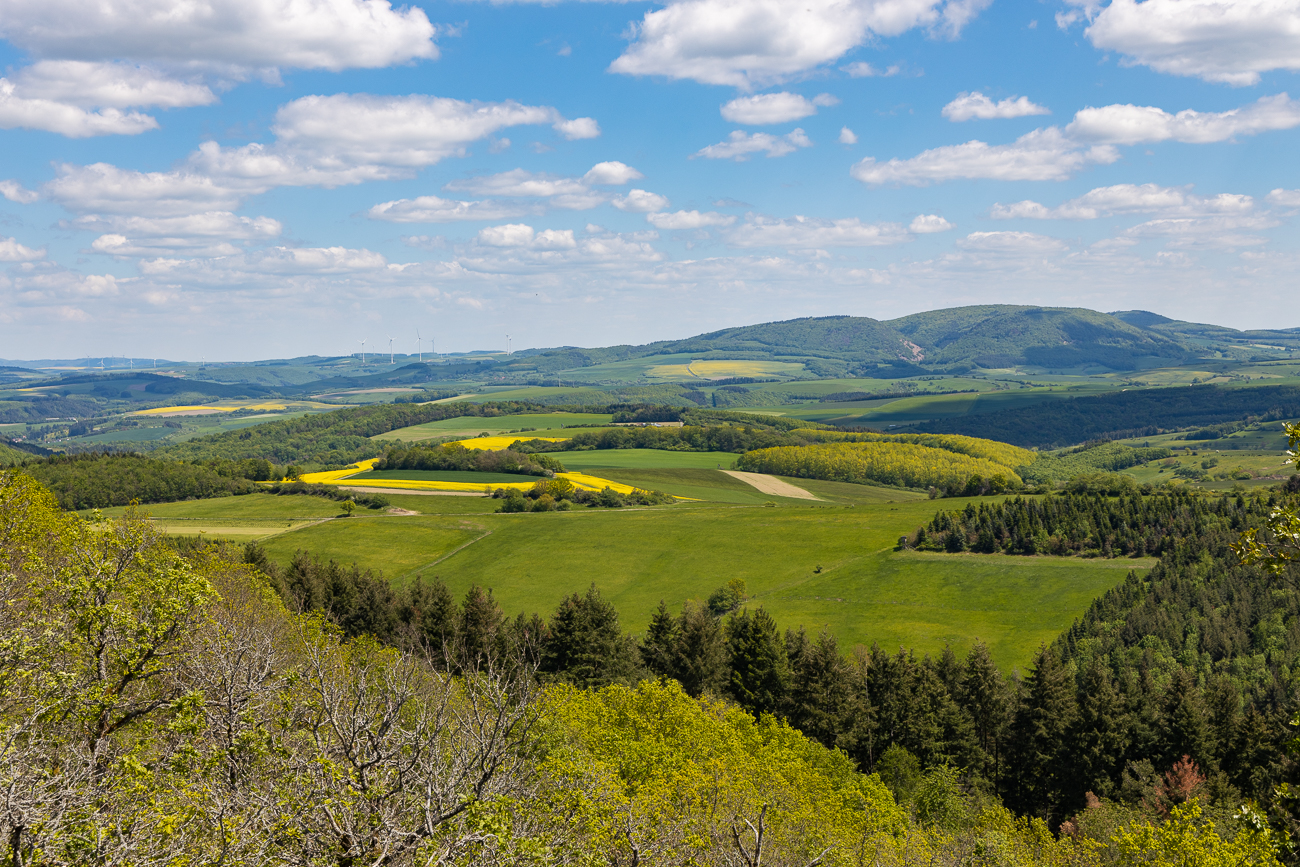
[864, 591]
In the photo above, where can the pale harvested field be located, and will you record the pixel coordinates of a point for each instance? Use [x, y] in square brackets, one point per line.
[771, 485]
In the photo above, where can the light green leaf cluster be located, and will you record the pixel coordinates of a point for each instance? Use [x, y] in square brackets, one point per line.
[886, 463]
[999, 453]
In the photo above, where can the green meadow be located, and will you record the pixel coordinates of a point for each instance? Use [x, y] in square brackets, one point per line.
[827, 564]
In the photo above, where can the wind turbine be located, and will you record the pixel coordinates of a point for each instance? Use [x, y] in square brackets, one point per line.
[390, 349]
[419, 342]
[363, 351]
[507, 344]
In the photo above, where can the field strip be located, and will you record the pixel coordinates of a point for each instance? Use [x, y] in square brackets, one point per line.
[770, 485]
[414, 491]
[450, 553]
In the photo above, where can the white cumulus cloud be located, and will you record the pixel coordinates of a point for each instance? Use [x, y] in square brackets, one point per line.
[1136, 124]
[103, 188]
[1041, 155]
[1127, 199]
[1230, 42]
[108, 84]
[970, 106]
[223, 34]
[12, 251]
[578, 128]
[807, 233]
[523, 235]
[1285, 198]
[432, 209]
[928, 224]
[351, 138]
[740, 146]
[640, 202]
[1011, 243]
[612, 173]
[19, 112]
[847, 136]
[754, 43]
[770, 108]
[689, 220]
[16, 192]
[519, 182]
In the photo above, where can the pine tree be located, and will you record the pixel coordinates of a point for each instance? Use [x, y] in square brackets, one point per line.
[428, 616]
[760, 671]
[479, 638]
[820, 694]
[585, 645]
[1098, 738]
[700, 653]
[985, 696]
[1187, 729]
[657, 646]
[1041, 764]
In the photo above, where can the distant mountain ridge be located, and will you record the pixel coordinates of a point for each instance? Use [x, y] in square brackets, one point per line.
[952, 340]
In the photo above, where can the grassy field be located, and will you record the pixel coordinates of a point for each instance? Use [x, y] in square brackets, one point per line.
[820, 566]
[828, 564]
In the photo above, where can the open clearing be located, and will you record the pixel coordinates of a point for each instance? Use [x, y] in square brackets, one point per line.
[820, 565]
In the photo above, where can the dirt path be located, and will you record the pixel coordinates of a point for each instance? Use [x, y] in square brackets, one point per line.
[771, 485]
[408, 491]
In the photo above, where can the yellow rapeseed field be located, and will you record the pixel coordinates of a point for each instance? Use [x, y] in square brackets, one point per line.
[330, 477]
[501, 442]
[723, 369]
[340, 477]
[168, 409]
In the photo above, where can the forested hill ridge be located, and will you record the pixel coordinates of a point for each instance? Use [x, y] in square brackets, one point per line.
[986, 336]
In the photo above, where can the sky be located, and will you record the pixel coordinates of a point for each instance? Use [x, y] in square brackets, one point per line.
[243, 179]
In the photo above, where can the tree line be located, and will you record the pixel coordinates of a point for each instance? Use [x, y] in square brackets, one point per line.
[885, 463]
[453, 456]
[1090, 524]
[1129, 413]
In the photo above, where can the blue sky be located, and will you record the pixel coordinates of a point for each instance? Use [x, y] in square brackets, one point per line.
[257, 178]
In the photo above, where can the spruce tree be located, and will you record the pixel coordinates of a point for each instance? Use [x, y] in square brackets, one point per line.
[1041, 764]
[820, 694]
[1098, 738]
[585, 645]
[1187, 729]
[760, 672]
[987, 699]
[700, 653]
[479, 638]
[660, 638]
[428, 616]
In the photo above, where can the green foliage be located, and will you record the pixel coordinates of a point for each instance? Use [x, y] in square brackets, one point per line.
[96, 481]
[1130, 413]
[335, 438]
[1109, 457]
[999, 453]
[1088, 524]
[166, 709]
[454, 456]
[885, 463]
